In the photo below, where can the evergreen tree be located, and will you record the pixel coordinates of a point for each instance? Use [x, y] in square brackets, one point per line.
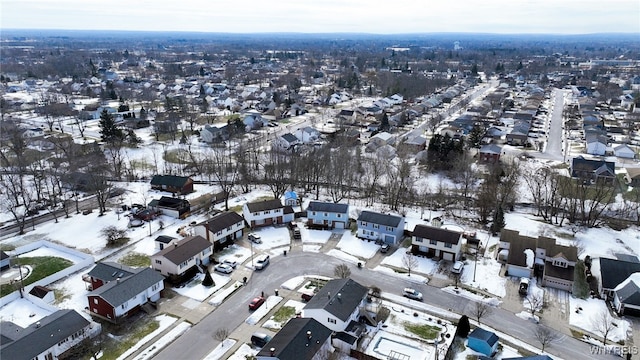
[463, 326]
[208, 280]
[474, 69]
[384, 123]
[109, 130]
[498, 221]
[475, 136]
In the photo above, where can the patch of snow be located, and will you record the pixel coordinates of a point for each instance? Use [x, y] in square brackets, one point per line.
[224, 293]
[195, 290]
[344, 256]
[531, 256]
[222, 349]
[351, 244]
[173, 334]
[164, 322]
[259, 313]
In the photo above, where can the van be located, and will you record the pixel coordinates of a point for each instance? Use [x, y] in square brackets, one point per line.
[259, 339]
[523, 288]
[261, 262]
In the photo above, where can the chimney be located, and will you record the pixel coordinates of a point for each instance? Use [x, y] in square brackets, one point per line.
[339, 296]
[118, 280]
[309, 334]
[272, 351]
[328, 294]
[37, 324]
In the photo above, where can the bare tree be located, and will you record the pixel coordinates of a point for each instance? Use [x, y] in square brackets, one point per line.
[603, 324]
[545, 335]
[342, 271]
[113, 234]
[481, 309]
[410, 262]
[225, 171]
[535, 302]
[221, 334]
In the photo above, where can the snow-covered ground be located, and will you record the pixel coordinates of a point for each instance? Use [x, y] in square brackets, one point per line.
[354, 246]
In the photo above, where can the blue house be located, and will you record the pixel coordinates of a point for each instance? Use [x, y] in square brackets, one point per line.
[377, 226]
[4, 260]
[483, 341]
[290, 198]
[327, 215]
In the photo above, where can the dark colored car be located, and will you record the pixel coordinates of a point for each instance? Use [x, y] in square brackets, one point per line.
[306, 297]
[259, 339]
[296, 234]
[256, 303]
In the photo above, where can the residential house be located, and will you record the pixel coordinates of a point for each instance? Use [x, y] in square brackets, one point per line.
[181, 260]
[384, 227]
[291, 198]
[174, 207]
[327, 215]
[489, 153]
[436, 242]
[118, 299]
[299, 339]
[43, 294]
[214, 134]
[163, 241]
[596, 143]
[105, 272]
[381, 139]
[307, 134]
[48, 338]
[624, 151]
[632, 177]
[415, 144]
[4, 260]
[172, 183]
[222, 229]
[252, 120]
[593, 170]
[614, 272]
[553, 264]
[347, 116]
[264, 213]
[286, 142]
[483, 341]
[626, 296]
[337, 304]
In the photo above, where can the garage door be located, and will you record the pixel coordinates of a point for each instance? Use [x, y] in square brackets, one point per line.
[389, 239]
[339, 225]
[447, 256]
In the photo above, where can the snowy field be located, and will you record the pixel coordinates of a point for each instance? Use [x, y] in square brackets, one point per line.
[354, 246]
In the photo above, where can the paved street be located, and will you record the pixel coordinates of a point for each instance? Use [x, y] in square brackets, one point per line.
[555, 132]
[199, 340]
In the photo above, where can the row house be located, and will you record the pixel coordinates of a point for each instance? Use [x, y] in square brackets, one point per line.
[222, 229]
[266, 213]
[436, 242]
[182, 259]
[380, 227]
[327, 215]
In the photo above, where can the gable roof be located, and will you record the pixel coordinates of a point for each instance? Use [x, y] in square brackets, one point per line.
[117, 293]
[380, 219]
[169, 180]
[327, 207]
[299, 339]
[37, 338]
[289, 137]
[629, 290]
[39, 291]
[264, 205]
[484, 335]
[223, 220]
[339, 297]
[108, 271]
[184, 249]
[3, 255]
[438, 234]
[165, 239]
[581, 164]
[613, 272]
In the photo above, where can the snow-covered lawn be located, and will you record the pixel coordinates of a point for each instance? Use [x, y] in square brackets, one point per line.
[425, 266]
[243, 352]
[272, 237]
[352, 245]
[23, 312]
[224, 293]
[195, 290]
[314, 236]
[590, 316]
[222, 349]
[344, 256]
[164, 322]
[414, 278]
[166, 339]
[273, 324]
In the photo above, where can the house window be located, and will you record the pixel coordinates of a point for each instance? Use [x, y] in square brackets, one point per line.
[256, 214]
[267, 211]
[389, 228]
[313, 213]
[95, 301]
[124, 306]
[229, 228]
[332, 321]
[363, 223]
[206, 251]
[155, 287]
[448, 245]
[219, 232]
[338, 215]
[159, 262]
[418, 239]
[325, 214]
[433, 242]
[376, 226]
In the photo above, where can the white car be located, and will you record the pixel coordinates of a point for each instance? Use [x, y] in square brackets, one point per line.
[412, 294]
[230, 262]
[223, 268]
[255, 238]
[457, 267]
[261, 262]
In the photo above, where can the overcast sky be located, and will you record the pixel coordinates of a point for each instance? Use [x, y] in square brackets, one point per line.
[321, 16]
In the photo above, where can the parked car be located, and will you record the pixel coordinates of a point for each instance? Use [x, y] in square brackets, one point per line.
[292, 225]
[412, 294]
[259, 339]
[457, 267]
[223, 268]
[261, 262]
[523, 288]
[255, 238]
[306, 297]
[385, 248]
[296, 234]
[256, 303]
[230, 262]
